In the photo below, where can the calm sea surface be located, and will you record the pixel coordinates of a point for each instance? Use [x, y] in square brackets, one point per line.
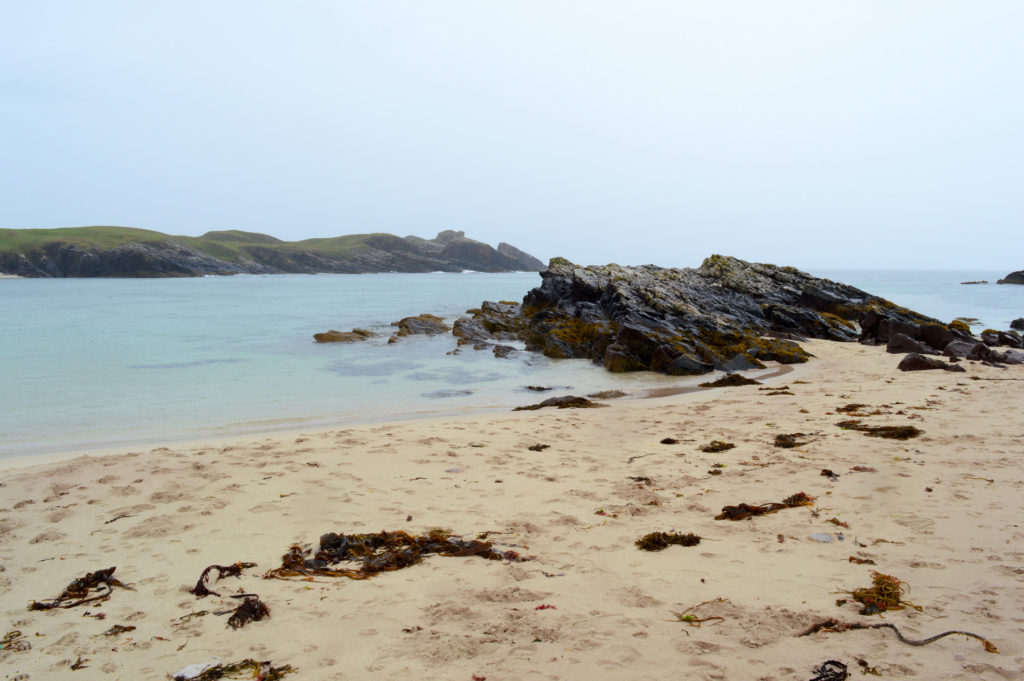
[87, 363]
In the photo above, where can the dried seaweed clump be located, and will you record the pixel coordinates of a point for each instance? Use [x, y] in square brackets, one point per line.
[223, 571]
[659, 541]
[742, 511]
[789, 440]
[252, 609]
[729, 381]
[379, 552]
[885, 593]
[564, 402]
[717, 446]
[246, 669]
[890, 432]
[77, 592]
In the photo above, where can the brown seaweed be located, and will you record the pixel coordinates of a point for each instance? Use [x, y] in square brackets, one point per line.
[379, 552]
[119, 629]
[252, 609]
[223, 571]
[789, 440]
[15, 641]
[538, 447]
[837, 626]
[717, 446]
[729, 381]
[743, 511]
[246, 669]
[659, 541]
[78, 591]
[890, 432]
[885, 593]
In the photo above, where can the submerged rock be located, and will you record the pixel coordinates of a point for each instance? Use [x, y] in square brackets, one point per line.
[727, 314]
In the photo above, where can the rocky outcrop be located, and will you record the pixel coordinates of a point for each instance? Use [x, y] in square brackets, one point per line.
[1013, 278]
[353, 336]
[1017, 324]
[727, 314]
[84, 252]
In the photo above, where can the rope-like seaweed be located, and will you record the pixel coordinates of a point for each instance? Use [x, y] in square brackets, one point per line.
[837, 626]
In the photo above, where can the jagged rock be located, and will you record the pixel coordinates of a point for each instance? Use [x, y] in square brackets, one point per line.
[983, 353]
[1017, 324]
[1010, 339]
[727, 314]
[1013, 278]
[1013, 357]
[899, 343]
[917, 362]
[421, 324]
[935, 335]
[353, 336]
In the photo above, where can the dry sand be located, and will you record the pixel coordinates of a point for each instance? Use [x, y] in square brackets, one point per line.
[942, 511]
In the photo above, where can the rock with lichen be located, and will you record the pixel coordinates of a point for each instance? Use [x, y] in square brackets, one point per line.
[728, 314]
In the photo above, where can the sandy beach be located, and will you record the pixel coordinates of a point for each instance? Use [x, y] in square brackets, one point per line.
[941, 511]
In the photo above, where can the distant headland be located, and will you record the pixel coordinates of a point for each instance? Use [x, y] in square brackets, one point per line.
[132, 252]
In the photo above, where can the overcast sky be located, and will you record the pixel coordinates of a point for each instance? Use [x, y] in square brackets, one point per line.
[816, 134]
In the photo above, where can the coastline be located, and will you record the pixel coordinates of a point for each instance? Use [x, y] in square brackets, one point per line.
[940, 511]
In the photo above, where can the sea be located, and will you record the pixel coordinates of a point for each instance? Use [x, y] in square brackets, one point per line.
[106, 363]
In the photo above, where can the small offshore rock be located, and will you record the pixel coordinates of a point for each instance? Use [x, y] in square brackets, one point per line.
[353, 336]
[427, 324]
[1013, 278]
[1017, 324]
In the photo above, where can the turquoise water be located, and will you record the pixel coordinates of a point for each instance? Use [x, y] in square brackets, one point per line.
[88, 363]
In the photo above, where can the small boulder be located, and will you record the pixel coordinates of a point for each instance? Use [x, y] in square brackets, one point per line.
[504, 351]
[1017, 324]
[959, 349]
[936, 335]
[899, 343]
[1013, 357]
[887, 328]
[353, 336]
[741, 361]
[421, 324]
[918, 362]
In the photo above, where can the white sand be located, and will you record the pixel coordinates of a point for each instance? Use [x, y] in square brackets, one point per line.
[163, 515]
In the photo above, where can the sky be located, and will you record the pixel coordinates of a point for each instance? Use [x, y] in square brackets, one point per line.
[862, 134]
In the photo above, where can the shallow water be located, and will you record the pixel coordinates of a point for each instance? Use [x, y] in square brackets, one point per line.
[89, 363]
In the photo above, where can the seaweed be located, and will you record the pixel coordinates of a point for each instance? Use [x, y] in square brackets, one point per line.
[717, 446]
[200, 590]
[77, 592]
[119, 629]
[379, 552]
[789, 440]
[885, 593]
[659, 541]
[890, 432]
[246, 669]
[252, 609]
[850, 408]
[565, 402]
[837, 626]
[15, 641]
[729, 381]
[743, 511]
[693, 620]
[79, 664]
[861, 561]
[669, 441]
[538, 447]
[831, 670]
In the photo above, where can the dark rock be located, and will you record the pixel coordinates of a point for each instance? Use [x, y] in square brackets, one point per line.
[959, 349]
[899, 343]
[421, 324]
[1013, 278]
[563, 402]
[353, 336]
[1017, 324]
[983, 353]
[935, 335]
[1010, 339]
[917, 362]
[990, 338]
[887, 328]
[504, 351]
[982, 281]
[1013, 357]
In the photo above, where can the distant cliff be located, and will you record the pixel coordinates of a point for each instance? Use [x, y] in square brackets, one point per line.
[129, 252]
[1013, 278]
